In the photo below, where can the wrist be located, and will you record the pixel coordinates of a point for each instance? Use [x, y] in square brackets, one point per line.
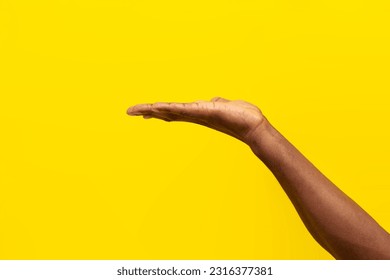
[263, 135]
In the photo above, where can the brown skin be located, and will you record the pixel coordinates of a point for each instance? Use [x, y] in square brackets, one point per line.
[335, 221]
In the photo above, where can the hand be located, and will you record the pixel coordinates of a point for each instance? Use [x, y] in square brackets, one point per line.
[236, 118]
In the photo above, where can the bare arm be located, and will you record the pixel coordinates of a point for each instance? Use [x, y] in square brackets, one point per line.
[336, 222]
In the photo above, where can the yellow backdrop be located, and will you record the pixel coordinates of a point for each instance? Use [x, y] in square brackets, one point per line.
[79, 179]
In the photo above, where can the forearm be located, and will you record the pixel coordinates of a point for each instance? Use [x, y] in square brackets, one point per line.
[334, 220]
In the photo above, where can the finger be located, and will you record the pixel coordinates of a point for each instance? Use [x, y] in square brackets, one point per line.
[145, 110]
[219, 99]
[166, 116]
[187, 112]
[190, 112]
[156, 117]
[184, 109]
[181, 111]
[171, 116]
[139, 109]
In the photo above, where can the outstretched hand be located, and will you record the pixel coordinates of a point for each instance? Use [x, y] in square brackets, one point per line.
[334, 220]
[236, 118]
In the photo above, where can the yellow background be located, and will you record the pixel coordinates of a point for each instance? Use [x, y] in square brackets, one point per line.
[79, 179]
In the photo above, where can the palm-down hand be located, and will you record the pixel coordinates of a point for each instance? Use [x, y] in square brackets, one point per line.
[236, 118]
